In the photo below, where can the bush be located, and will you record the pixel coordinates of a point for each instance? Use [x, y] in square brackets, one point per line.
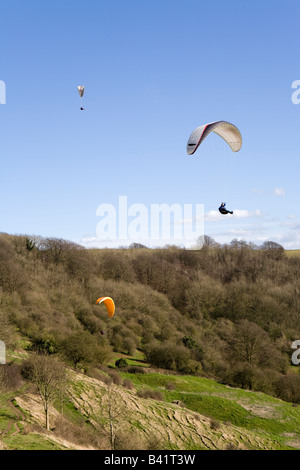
[136, 370]
[288, 388]
[128, 384]
[44, 345]
[148, 393]
[214, 424]
[168, 356]
[79, 433]
[121, 363]
[115, 377]
[82, 348]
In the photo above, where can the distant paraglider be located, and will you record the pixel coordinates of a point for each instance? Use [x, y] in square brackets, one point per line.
[81, 89]
[109, 304]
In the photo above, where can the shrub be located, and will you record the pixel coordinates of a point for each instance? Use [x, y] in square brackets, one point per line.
[148, 393]
[121, 363]
[82, 347]
[288, 388]
[128, 384]
[44, 345]
[214, 424]
[136, 370]
[168, 356]
[115, 377]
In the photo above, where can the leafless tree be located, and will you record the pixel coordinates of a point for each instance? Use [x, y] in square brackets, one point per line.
[50, 379]
[115, 412]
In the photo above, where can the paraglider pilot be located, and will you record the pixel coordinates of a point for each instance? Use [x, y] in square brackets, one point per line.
[223, 209]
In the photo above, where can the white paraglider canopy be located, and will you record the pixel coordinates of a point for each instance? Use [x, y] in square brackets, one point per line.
[81, 90]
[224, 129]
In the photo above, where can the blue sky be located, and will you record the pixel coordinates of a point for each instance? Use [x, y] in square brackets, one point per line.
[153, 71]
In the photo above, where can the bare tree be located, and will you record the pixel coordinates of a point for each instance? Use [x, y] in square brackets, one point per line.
[50, 378]
[115, 411]
[250, 344]
[273, 249]
[206, 241]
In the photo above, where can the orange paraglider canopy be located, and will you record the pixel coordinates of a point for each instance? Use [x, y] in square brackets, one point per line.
[109, 304]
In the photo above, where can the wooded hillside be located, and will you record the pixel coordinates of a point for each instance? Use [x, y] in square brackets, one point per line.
[229, 312]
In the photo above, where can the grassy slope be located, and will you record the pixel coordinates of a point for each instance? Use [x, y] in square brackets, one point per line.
[207, 415]
[247, 410]
[291, 253]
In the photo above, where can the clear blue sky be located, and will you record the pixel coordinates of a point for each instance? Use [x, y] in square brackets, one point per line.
[153, 72]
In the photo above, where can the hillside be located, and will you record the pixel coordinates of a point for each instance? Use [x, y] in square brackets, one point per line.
[292, 253]
[212, 328]
[212, 416]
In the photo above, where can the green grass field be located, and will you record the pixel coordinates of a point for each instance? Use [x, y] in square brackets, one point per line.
[249, 410]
